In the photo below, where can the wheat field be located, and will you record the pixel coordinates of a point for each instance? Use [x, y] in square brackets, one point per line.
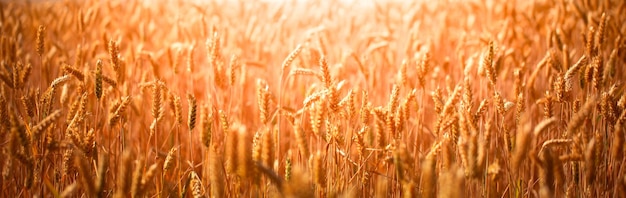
[244, 98]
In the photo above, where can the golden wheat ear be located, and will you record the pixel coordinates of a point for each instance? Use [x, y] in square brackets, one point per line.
[40, 40]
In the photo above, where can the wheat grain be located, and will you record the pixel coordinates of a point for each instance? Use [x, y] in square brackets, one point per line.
[609, 71]
[207, 122]
[196, 185]
[301, 140]
[109, 80]
[597, 64]
[555, 142]
[393, 99]
[543, 125]
[318, 169]
[582, 114]
[28, 101]
[291, 57]
[73, 71]
[157, 95]
[135, 185]
[263, 99]
[178, 108]
[58, 81]
[40, 40]
[233, 65]
[190, 59]
[217, 176]
[487, 63]
[98, 83]
[169, 159]
[114, 57]
[45, 123]
[117, 115]
[600, 35]
[191, 119]
[24, 74]
[224, 122]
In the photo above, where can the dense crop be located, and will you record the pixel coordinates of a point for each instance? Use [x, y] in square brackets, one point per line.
[312, 99]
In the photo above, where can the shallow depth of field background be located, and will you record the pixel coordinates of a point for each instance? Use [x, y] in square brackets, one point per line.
[453, 98]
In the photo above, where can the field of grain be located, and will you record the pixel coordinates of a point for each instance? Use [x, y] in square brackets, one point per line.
[244, 98]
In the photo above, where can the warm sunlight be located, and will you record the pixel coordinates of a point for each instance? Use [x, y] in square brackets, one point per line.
[306, 98]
